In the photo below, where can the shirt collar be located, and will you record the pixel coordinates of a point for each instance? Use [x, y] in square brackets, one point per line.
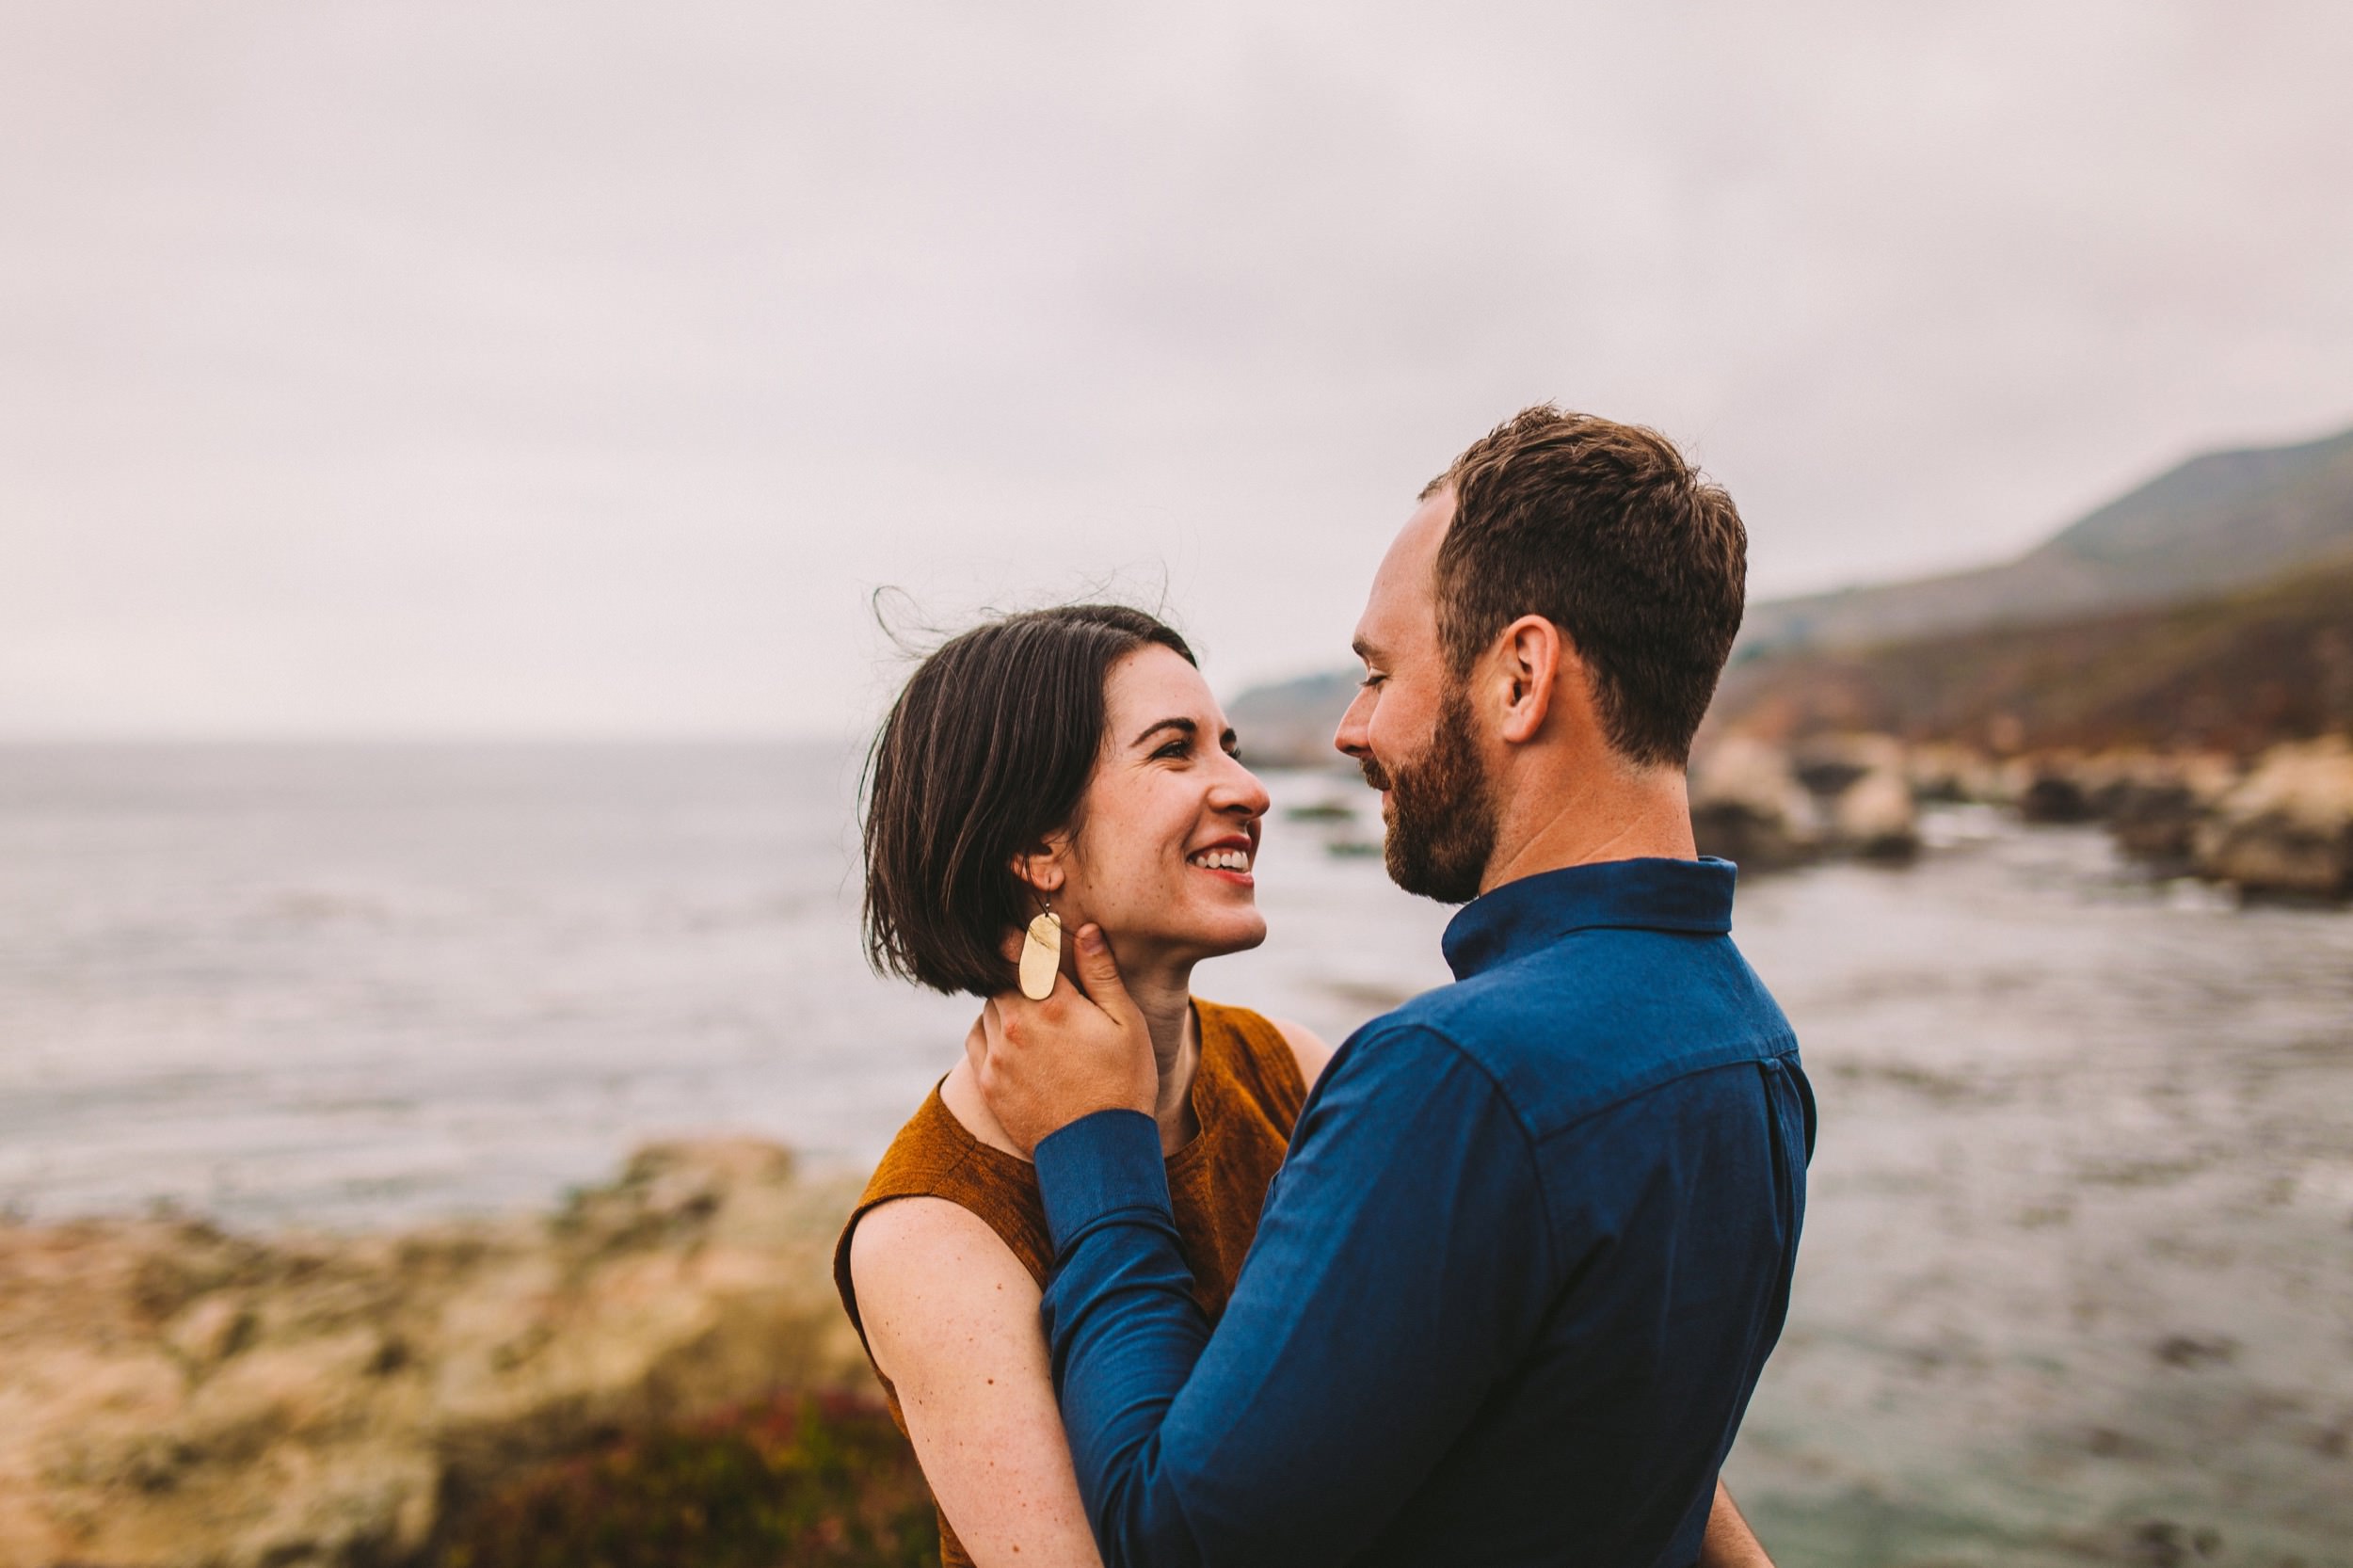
[1642, 895]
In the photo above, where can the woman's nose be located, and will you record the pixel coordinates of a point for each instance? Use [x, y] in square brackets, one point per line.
[1240, 791]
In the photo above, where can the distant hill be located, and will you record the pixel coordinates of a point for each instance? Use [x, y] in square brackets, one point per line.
[1289, 723]
[2075, 638]
[2217, 522]
[2233, 672]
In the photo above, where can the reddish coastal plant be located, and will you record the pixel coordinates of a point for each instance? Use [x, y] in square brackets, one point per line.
[807, 1479]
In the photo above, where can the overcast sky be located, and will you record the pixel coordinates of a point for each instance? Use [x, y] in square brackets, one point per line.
[581, 368]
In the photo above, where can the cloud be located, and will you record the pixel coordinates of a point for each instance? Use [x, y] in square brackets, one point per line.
[546, 368]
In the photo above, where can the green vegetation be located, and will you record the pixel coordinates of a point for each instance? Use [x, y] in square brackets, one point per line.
[796, 1481]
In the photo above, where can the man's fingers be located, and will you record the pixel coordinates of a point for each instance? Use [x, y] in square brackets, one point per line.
[982, 1038]
[1100, 972]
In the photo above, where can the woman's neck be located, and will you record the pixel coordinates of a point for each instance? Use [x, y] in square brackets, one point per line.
[1164, 994]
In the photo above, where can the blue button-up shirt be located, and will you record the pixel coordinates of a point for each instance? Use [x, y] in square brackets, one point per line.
[1512, 1286]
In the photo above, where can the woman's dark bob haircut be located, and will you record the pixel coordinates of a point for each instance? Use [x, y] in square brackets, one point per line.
[988, 750]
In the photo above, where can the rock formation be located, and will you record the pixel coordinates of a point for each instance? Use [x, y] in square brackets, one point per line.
[2287, 831]
[1748, 807]
[1873, 817]
[2283, 829]
[1862, 793]
[171, 1394]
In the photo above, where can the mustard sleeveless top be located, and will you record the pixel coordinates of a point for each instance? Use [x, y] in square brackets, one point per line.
[1246, 1095]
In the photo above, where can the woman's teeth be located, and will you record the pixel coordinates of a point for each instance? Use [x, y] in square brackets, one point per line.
[1223, 859]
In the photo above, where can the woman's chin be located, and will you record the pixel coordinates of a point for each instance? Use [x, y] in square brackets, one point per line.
[1239, 931]
[1236, 936]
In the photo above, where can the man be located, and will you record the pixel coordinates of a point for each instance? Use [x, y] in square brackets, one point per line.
[1532, 1243]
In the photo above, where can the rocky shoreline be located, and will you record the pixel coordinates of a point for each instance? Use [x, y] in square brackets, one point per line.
[2277, 827]
[172, 1394]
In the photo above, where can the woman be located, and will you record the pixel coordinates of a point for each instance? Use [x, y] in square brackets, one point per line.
[1072, 762]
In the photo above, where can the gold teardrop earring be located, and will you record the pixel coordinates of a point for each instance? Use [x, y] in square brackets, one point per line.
[1041, 955]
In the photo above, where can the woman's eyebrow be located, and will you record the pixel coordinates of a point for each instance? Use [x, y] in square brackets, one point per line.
[1187, 726]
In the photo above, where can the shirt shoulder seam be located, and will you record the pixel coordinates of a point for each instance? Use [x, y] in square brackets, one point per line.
[1527, 1135]
[1788, 1047]
[1776, 1046]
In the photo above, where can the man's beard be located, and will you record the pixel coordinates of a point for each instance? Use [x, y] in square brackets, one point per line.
[1441, 814]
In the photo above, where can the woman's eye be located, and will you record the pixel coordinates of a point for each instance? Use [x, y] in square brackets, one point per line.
[1174, 749]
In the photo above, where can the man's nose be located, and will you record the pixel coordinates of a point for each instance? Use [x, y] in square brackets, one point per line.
[1352, 738]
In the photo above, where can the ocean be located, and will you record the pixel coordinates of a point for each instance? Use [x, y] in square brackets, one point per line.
[2078, 1281]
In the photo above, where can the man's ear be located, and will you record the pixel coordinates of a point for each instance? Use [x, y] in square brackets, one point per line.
[1534, 664]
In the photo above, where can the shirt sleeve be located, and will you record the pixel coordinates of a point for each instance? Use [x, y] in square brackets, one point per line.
[1403, 1263]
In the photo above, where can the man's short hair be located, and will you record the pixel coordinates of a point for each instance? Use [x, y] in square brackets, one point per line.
[1605, 530]
[988, 750]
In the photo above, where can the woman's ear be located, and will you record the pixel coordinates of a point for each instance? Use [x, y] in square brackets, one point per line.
[1045, 866]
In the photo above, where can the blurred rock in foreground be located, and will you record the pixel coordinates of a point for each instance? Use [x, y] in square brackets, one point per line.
[1748, 807]
[1768, 809]
[172, 1394]
[2287, 831]
[1862, 786]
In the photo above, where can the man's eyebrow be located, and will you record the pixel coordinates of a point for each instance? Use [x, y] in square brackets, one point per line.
[1154, 729]
[1363, 647]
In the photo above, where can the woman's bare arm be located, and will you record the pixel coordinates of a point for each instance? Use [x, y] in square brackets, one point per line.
[1729, 1542]
[952, 1318]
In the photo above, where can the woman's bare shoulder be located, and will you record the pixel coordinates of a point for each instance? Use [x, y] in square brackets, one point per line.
[917, 1228]
[925, 1266]
[1306, 1047]
[920, 1231]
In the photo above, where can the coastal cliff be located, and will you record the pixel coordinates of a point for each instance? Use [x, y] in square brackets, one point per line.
[2217, 523]
[663, 1355]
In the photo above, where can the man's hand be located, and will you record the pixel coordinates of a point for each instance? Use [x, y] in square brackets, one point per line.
[1043, 1064]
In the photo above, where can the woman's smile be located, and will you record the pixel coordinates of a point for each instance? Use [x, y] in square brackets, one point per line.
[1229, 858]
